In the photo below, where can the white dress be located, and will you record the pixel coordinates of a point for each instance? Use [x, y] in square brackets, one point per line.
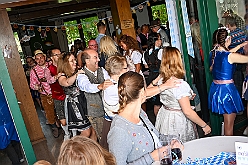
[134, 57]
[170, 118]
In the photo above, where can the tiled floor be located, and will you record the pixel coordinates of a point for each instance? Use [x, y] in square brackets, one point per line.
[49, 149]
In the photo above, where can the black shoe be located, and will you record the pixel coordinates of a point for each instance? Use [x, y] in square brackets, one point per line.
[55, 132]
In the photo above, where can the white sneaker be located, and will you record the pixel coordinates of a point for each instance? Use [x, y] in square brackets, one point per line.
[67, 137]
[245, 131]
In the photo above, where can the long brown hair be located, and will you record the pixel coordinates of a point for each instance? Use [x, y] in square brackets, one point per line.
[81, 150]
[130, 42]
[64, 65]
[129, 85]
[171, 64]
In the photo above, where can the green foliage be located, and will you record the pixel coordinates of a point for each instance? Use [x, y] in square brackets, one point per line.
[72, 31]
[88, 26]
[159, 11]
[19, 48]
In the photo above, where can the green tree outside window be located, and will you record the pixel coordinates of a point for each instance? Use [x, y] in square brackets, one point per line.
[88, 26]
[159, 11]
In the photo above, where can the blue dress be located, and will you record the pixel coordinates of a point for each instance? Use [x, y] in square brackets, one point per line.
[7, 128]
[223, 98]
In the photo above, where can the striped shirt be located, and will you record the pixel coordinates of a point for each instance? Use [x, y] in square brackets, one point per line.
[42, 72]
[238, 37]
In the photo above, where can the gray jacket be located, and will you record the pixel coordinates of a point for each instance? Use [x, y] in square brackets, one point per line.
[131, 143]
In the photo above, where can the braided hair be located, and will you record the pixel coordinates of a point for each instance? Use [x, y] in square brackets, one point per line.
[129, 85]
[219, 39]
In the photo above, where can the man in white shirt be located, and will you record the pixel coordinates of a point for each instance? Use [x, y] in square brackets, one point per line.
[92, 83]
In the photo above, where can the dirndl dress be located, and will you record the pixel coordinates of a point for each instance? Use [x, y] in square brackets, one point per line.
[223, 97]
[76, 109]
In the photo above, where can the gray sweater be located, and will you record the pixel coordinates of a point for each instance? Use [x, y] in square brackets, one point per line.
[131, 143]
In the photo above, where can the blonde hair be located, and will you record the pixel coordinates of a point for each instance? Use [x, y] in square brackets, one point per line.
[64, 65]
[107, 46]
[171, 64]
[81, 150]
[196, 34]
[42, 162]
[115, 64]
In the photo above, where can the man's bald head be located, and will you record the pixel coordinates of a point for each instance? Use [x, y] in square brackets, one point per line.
[92, 44]
[90, 59]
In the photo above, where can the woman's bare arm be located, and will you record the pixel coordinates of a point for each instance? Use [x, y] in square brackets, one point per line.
[191, 114]
[237, 58]
[64, 81]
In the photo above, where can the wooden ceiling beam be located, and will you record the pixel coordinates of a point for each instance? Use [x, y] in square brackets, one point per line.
[27, 9]
[22, 3]
[55, 11]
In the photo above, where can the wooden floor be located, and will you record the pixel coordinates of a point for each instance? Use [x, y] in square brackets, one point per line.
[49, 149]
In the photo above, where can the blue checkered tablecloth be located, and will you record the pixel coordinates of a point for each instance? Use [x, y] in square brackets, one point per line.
[213, 160]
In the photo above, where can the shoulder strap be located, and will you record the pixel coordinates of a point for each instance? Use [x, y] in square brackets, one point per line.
[36, 75]
[42, 88]
[144, 124]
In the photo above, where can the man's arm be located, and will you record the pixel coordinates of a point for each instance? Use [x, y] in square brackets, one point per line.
[85, 85]
[50, 79]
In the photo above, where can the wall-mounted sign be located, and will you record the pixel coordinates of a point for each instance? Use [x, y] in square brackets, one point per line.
[127, 24]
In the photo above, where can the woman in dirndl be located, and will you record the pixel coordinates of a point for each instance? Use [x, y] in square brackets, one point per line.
[75, 101]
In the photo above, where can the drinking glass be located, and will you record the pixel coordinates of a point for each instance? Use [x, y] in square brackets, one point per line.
[176, 147]
[164, 151]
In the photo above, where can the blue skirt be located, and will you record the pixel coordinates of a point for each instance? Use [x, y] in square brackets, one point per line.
[224, 99]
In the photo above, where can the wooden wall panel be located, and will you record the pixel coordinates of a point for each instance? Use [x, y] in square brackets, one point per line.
[19, 81]
[122, 16]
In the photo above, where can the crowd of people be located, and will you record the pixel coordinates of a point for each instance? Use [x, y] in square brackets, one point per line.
[98, 94]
